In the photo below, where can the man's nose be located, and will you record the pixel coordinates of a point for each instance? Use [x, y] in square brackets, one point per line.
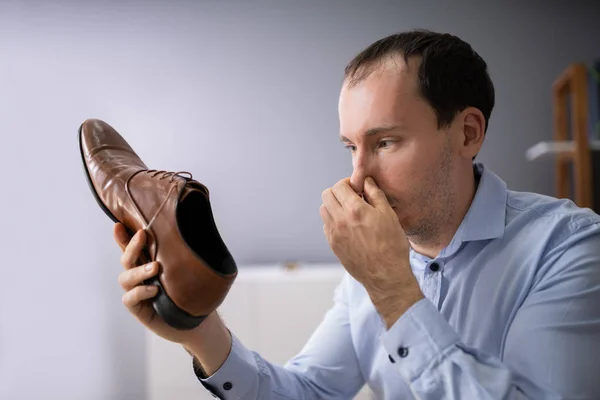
[357, 180]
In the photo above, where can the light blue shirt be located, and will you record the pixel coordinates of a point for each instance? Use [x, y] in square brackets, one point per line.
[512, 312]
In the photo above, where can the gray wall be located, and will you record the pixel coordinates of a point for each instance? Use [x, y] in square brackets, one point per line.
[244, 95]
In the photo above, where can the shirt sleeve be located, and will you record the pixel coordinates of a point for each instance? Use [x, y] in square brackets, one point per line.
[552, 349]
[326, 368]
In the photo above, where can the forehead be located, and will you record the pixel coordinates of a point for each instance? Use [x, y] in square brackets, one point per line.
[387, 96]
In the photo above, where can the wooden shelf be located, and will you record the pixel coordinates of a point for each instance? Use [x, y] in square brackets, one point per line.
[571, 87]
[563, 148]
[573, 153]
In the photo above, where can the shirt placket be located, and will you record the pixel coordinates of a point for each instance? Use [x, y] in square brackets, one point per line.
[432, 282]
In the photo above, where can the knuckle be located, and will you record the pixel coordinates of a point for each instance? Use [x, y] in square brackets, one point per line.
[127, 280]
[338, 185]
[333, 190]
[129, 259]
[354, 212]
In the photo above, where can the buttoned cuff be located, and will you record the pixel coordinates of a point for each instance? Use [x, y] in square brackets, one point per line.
[236, 376]
[419, 337]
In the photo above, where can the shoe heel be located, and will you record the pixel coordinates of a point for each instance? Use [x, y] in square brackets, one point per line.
[169, 312]
[174, 316]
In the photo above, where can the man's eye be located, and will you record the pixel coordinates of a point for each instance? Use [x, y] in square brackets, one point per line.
[385, 143]
[352, 148]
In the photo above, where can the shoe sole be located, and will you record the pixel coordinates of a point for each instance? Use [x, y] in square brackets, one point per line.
[162, 303]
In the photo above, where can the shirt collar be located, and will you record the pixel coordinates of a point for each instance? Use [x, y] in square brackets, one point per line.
[486, 218]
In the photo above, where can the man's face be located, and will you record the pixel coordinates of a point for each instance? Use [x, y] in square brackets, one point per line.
[393, 136]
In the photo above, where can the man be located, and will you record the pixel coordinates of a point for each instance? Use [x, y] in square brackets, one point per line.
[456, 287]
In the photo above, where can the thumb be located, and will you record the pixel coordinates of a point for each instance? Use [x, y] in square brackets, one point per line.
[375, 196]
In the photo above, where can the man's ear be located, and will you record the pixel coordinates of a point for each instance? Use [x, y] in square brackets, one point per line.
[473, 132]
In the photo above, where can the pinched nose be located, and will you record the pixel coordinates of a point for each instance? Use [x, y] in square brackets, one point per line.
[357, 182]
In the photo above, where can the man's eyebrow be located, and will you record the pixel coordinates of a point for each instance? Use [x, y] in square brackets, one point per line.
[374, 131]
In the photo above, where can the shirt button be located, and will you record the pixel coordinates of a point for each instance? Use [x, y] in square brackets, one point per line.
[391, 359]
[402, 351]
[434, 267]
[227, 386]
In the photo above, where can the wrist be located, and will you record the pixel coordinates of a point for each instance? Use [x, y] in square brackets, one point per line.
[196, 338]
[210, 345]
[392, 307]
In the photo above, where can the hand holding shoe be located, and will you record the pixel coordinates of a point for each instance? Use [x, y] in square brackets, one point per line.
[209, 343]
[138, 294]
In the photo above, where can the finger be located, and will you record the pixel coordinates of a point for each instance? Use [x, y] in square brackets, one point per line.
[375, 195]
[327, 232]
[133, 277]
[346, 196]
[331, 204]
[133, 298]
[121, 235]
[132, 252]
[325, 215]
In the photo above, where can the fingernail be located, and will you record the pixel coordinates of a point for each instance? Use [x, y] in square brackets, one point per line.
[151, 288]
[149, 267]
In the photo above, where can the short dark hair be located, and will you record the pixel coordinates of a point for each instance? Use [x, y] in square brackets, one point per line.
[451, 76]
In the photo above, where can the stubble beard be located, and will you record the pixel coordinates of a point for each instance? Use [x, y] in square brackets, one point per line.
[437, 201]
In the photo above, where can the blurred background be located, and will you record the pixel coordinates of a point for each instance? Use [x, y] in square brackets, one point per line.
[243, 94]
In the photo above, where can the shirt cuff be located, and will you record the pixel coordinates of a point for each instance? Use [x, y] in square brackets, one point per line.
[236, 376]
[418, 338]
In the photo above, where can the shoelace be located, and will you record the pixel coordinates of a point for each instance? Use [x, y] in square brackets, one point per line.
[154, 173]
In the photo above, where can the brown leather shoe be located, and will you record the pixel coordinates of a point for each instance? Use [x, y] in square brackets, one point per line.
[197, 269]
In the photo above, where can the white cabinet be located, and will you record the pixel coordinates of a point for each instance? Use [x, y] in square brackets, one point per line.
[272, 309]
